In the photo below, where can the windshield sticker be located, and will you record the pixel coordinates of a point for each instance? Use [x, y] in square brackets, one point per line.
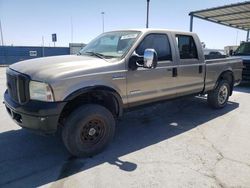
[130, 36]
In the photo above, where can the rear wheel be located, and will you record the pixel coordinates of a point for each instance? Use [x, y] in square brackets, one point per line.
[88, 130]
[218, 97]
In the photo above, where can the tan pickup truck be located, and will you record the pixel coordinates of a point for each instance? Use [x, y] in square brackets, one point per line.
[84, 94]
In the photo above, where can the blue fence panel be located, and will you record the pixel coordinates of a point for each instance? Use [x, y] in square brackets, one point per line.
[13, 54]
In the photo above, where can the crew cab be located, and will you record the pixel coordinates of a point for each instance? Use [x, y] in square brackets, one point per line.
[85, 94]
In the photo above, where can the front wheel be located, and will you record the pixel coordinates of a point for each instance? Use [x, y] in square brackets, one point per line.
[88, 130]
[218, 97]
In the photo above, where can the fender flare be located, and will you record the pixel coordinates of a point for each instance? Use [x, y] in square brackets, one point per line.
[226, 72]
[100, 88]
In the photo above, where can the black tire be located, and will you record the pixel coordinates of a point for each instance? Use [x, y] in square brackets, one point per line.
[88, 130]
[215, 96]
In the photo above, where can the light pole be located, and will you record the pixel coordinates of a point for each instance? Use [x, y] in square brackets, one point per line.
[1, 33]
[147, 13]
[103, 21]
[71, 27]
[43, 45]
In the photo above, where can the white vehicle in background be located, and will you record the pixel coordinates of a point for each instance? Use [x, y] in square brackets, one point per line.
[214, 53]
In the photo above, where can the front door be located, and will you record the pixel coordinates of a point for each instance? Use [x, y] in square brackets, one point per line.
[146, 85]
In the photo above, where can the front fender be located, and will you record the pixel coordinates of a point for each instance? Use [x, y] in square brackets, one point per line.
[98, 88]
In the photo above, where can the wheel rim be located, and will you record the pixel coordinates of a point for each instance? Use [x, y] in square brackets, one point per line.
[92, 132]
[223, 93]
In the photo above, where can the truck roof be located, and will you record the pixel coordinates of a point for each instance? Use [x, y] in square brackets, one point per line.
[155, 30]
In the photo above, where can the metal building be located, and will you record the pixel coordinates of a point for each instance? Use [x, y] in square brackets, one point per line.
[12, 54]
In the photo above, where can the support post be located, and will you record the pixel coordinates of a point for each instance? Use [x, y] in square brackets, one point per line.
[247, 36]
[191, 23]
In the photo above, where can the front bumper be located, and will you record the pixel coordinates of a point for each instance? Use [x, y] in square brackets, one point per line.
[38, 116]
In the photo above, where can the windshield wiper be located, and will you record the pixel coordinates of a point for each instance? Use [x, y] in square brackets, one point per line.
[101, 56]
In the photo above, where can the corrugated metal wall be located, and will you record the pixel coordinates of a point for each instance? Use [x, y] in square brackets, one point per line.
[12, 54]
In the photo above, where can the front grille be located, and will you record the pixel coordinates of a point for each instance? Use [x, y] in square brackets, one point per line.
[17, 84]
[12, 86]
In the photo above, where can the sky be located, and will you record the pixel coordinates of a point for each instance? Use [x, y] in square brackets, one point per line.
[26, 22]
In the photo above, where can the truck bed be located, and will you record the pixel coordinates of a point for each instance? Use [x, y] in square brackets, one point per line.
[214, 67]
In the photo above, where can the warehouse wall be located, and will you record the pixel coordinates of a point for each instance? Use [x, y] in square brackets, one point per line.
[12, 54]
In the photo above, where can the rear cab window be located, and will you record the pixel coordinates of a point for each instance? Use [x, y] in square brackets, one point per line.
[187, 47]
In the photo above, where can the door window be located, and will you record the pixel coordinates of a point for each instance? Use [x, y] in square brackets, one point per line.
[159, 42]
[187, 47]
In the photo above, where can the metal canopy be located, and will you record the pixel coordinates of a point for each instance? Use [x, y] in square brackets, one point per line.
[233, 15]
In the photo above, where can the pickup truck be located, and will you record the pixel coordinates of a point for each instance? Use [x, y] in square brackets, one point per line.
[83, 95]
[243, 51]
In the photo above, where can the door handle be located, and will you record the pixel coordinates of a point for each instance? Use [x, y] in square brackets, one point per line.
[200, 68]
[174, 72]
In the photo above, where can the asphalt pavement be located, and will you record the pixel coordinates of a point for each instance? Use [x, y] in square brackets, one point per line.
[179, 143]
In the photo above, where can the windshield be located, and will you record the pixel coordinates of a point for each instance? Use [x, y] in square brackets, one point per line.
[244, 49]
[111, 45]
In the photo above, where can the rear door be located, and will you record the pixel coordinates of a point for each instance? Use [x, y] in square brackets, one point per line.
[191, 67]
[145, 85]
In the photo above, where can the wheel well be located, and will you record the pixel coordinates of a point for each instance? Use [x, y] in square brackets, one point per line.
[227, 75]
[105, 98]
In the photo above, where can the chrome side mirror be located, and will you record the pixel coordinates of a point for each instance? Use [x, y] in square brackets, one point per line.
[150, 58]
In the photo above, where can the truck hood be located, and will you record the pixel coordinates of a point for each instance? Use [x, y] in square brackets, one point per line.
[45, 69]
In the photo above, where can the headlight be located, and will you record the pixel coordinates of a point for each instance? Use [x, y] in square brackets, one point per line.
[40, 91]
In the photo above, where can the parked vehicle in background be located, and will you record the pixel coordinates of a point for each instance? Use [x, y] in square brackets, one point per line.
[231, 48]
[244, 52]
[84, 94]
[214, 53]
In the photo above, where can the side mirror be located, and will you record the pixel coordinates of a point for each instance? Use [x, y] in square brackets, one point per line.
[150, 58]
